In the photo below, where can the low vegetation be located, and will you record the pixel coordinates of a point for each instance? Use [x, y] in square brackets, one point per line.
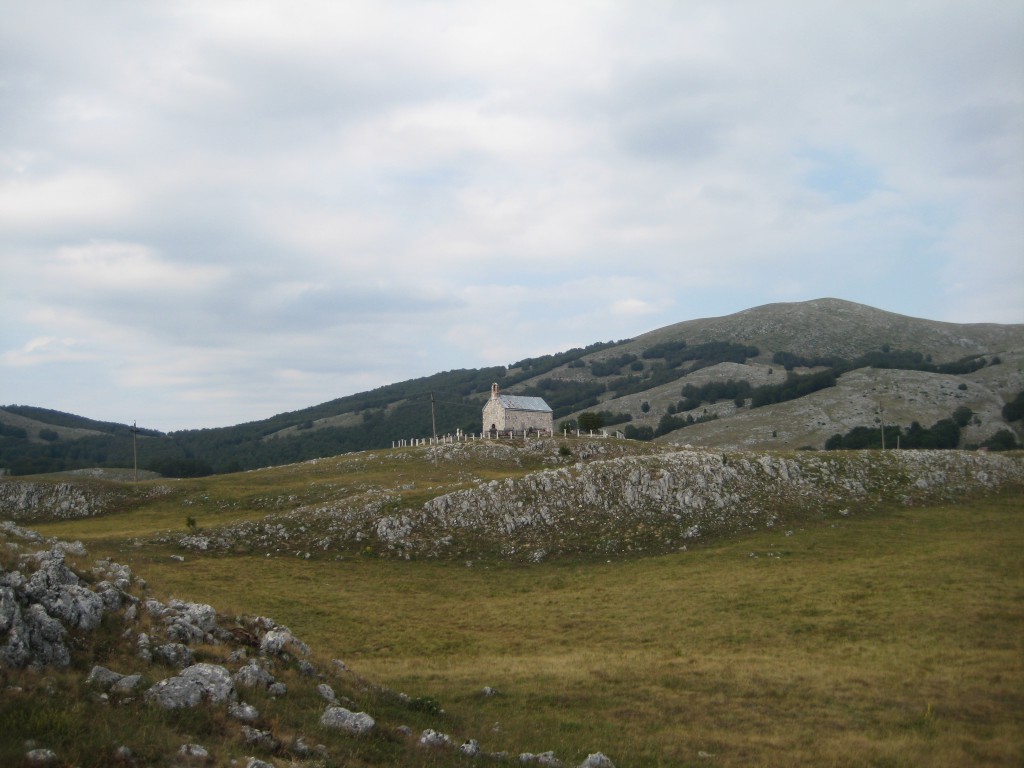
[846, 633]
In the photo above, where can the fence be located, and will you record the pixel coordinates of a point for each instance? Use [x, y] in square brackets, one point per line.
[502, 434]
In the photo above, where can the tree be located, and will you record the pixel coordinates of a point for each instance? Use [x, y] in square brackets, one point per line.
[1014, 410]
[588, 420]
[1003, 440]
[962, 416]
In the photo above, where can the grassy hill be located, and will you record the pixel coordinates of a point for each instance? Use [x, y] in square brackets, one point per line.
[662, 607]
[882, 367]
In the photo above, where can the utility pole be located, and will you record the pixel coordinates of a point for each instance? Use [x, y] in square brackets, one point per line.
[433, 422]
[135, 452]
[881, 421]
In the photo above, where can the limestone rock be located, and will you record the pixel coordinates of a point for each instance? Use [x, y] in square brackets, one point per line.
[326, 692]
[263, 739]
[432, 738]
[102, 677]
[346, 720]
[252, 675]
[197, 683]
[41, 757]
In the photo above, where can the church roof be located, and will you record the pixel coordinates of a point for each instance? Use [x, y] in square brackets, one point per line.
[521, 403]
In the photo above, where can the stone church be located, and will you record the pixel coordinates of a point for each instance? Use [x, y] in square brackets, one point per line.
[517, 413]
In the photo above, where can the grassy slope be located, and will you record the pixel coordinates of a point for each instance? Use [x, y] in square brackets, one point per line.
[888, 640]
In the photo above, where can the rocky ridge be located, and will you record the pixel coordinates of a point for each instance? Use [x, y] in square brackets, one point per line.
[47, 607]
[606, 501]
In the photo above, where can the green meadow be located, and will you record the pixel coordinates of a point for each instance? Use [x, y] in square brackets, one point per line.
[894, 638]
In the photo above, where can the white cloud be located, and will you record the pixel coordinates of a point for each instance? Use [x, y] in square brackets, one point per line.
[245, 208]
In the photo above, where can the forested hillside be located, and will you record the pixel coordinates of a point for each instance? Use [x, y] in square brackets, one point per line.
[819, 374]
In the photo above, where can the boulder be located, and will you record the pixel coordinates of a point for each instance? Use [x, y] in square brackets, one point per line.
[126, 684]
[102, 677]
[41, 757]
[175, 654]
[326, 692]
[346, 720]
[432, 738]
[597, 760]
[194, 754]
[197, 683]
[175, 693]
[279, 641]
[247, 713]
[264, 740]
[215, 680]
[252, 675]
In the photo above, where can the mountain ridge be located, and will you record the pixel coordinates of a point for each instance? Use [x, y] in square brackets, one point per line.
[637, 381]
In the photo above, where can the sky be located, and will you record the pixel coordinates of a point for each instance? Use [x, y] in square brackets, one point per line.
[212, 212]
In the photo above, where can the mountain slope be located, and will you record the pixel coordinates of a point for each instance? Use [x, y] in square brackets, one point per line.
[638, 383]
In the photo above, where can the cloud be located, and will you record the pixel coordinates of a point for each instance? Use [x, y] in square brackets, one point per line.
[226, 211]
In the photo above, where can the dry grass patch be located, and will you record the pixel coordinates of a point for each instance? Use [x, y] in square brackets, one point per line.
[890, 640]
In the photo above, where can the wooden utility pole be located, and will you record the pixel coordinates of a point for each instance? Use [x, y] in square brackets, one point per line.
[433, 422]
[135, 452]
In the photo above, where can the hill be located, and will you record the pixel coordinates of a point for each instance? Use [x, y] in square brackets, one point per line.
[778, 376]
[788, 609]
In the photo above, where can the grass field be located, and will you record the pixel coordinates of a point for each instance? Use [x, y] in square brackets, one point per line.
[895, 639]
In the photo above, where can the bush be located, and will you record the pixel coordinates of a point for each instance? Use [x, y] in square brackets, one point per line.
[1003, 440]
[1014, 410]
[638, 433]
[962, 416]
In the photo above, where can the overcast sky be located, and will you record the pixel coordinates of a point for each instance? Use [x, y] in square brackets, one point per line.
[213, 212]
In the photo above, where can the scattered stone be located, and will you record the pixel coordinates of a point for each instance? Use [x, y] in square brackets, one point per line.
[124, 755]
[488, 691]
[247, 713]
[277, 690]
[194, 754]
[174, 654]
[197, 683]
[127, 684]
[597, 760]
[326, 692]
[279, 641]
[345, 720]
[41, 757]
[255, 762]
[432, 738]
[470, 748]
[252, 675]
[102, 678]
[265, 740]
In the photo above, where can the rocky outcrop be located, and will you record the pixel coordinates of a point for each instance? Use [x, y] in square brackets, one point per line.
[23, 500]
[647, 503]
[613, 502]
[45, 604]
